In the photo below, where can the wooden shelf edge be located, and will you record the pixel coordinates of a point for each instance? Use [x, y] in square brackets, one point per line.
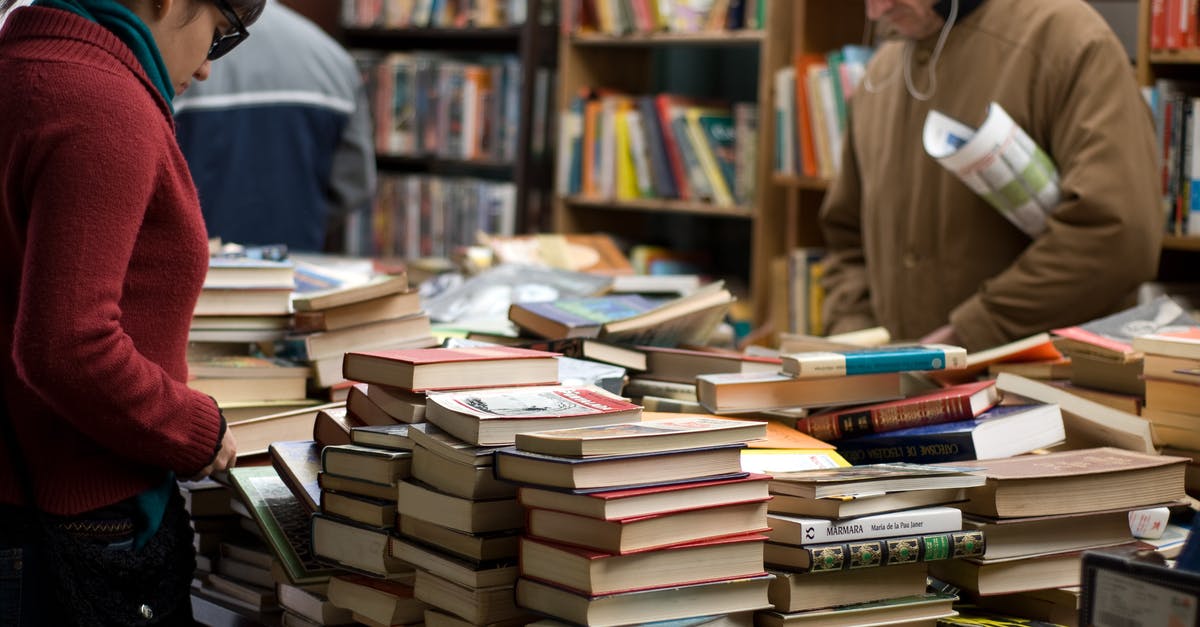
[1181, 242]
[722, 38]
[674, 206]
[1191, 55]
[499, 32]
[800, 182]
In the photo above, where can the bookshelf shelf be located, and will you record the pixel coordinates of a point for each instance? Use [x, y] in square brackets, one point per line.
[724, 38]
[438, 165]
[800, 182]
[657, 204]
[506, 39]
[1169, 57]
[1181, 242]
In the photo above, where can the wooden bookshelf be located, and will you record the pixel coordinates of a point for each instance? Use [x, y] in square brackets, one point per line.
[774, 222]
[533, 42]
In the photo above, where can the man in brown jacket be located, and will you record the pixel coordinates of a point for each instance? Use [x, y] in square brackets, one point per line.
[911, 248]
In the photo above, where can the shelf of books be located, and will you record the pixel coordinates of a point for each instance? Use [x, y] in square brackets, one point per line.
[456, 99]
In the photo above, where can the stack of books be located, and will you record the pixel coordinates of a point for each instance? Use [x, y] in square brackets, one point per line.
[1171, 367]
[668, 382]
[1040, 512]
[856, 543]
[459, 523]
[640, 522]
[381, 313]
[960, 422]
[1105, 367]
[824, 378]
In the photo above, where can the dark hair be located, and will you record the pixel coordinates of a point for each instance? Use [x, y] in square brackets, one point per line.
[248, 10]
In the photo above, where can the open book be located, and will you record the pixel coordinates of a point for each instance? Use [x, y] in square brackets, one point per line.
[1000, 162]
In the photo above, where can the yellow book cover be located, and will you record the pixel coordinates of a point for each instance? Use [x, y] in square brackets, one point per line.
[704, 153]
[626, 170]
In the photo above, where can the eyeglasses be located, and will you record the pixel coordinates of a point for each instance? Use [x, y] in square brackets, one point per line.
[224, 42]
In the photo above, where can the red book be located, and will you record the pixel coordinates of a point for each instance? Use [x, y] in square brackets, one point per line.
[648, 500]
[1158, 24]
[951, 404]
[592, 572]
[804, 125]
[419, 369]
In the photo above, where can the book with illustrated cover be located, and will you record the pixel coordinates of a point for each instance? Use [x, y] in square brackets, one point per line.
[494, 416]
[641, 437]
[951, 404]
[1111, 337]
[341, 295]
[577, 317]
[283, 521]
[874, 360]
[878, 552]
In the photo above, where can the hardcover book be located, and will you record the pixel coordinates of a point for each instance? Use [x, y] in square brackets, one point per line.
[298, 463]
[641, 437]
[890, 551]
[594, 572]
[647, 605]
[874, 360]
[905, 610]
[1111, 337]
[437, 441]
[1002, 431]
[647, 533]
[872, 479]
[951, 404]
[798, 592]
[494, 416]
[617, 470]
[800, 531]
[834, 507]
[366, 463]
[683, 365]
[748, 392]
[647, 501]
[376, 287]
[355, 546]
[420, 369]
[1076, 481]
[1087, 423]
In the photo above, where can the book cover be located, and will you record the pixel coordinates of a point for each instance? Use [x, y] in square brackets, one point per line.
[298, 464]
[617, 470]
[1112, 336]
[346, 293]
[874, 360]
[421, 356]
[891, 551]
[951, 404]
[872, 478]
[283, 521]
[806, 531]
[614, 504]
[526, 403]
[658, 435]
[578, 317]
[1002, 431]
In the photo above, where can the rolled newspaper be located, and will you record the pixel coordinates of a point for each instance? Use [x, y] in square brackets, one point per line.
[1000, 162]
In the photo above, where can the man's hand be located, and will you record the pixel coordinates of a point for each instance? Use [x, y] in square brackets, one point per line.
[226, 457]
[942, 335]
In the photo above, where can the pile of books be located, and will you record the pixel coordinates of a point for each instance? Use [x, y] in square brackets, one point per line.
[1040, 512]
[1171, 369]
[640, 522]
[856, 543]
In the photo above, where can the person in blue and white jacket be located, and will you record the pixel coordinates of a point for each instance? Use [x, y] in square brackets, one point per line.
[280, 141]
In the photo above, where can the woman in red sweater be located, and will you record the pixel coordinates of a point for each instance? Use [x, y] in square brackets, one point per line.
[102, 254]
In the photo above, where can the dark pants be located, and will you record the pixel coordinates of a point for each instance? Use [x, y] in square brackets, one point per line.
[27, 587]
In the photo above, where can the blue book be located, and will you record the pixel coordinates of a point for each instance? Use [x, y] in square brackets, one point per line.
[1002, 431]
[820, 364]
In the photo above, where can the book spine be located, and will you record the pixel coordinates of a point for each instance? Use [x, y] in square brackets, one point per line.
[916, 449]
[828, 364]
[865, 421]
[929, 520]
[929, 547]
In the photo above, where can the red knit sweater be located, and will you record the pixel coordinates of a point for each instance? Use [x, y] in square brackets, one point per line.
[102, 254]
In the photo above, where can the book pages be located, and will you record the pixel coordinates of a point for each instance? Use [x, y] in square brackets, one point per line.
[1000, 162]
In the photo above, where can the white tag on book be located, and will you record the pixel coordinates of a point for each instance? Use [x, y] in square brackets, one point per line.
[1000, 162]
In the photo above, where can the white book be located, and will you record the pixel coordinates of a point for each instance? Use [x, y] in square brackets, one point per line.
[805, 531]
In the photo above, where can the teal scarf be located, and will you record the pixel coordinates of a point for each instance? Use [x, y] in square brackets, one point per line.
[130, 29]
